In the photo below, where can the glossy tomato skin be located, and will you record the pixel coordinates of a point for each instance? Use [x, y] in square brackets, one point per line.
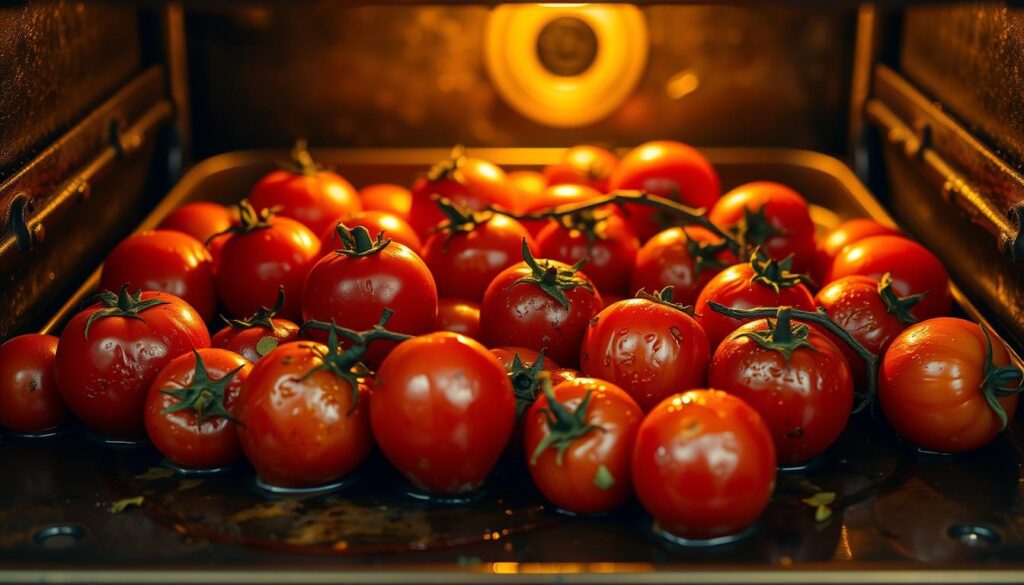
[734, 287]
[785, 211]
[610, 256]
[246, 341]
[805, 400]
[201, 220]
[302, 432]
[507, 354]
[523, 314]
[929, 386]
[395, 228]
[665, 260]
[556, 196]
[354, 291]
[914, 270]
[650, 350]
[529, 186]
[178, 435]
[459, 316]
[254, 265]
[678, 470]
[29, 399]
[465, 263]
[839, 237]
[669, 169]
[578, 484]
[481, 183]
[104, 378]
[394, 199]
[164, 260]
[314, 200]
[583, 165]
[471, 405]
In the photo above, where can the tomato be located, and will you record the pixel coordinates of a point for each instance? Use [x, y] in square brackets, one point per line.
[524, 367]
[839, 237]
[265, 253]
[670, 169]
[579, 436]
[794, 377]
[703, 465]
[301, 424]
[110, 352]
[527, 358]
[583, 165]
[769, 215]
[684, 258]
[305, 192]
[946, 385]
[459, 316]
[914, 270]
[529, 186]
[602, 239]
[466, 256]
[471, 410]
[557, 196]
[467, 181]
[29, 399]
[164, 260]
[202, 220]
[394, 228]
[188, 408]
[354, 285]
[649, 346]
[759, 283]
[254, 336]
[393, 199]
[540, 304]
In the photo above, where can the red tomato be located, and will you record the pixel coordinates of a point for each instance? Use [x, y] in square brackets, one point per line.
[469, 182]
[189, 406]
[306, 193]
[945, 387]
[603, 240]
[649, 346]
[703, 464]
[771, 216]
[164, 260]
[111, 351]
[388, 198]
[201, 220]
[684, 258]
[841, 236]
[583, 165]
[459, 316]
[794, 377]
[914, 270]
[254, 337]
[527, 357]
[29, 400]
[540, 304]
[530, 186]
[353, 287]
[524, 367]
[465, 259]
[579, 436]
[669, 169]
[301, 424]
[759, 283]
[471, 412]
[375, 222]
[556, 196]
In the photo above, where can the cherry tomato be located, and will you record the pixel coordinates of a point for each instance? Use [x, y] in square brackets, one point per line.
[467, 181]
[189, 406]
[758, 283]
[459, 316]
[29, 400]
[556, 196]
[914, 270]
[527, 357]
[529, 185]
[164, 260]
[579, 436]
[471, 412]
[540, 304]
[841, 236]
[684, 258]
[945, 385]
[769, 215]
[583, 165]
[465, 258]
[202, 220]
[794, 377]
[110, 352]
[669, 169]
[375, 222]
[703, 464]
[254, 336]
[524, 367]
[354, 286]
[603, 240]
[393, 199]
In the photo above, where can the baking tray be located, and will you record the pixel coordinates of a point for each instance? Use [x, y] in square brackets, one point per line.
[902, 516]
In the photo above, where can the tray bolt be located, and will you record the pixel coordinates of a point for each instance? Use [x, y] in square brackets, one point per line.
[25, 235]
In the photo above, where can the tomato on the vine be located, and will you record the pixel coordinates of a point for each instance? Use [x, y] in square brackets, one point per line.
[684, 258]
[254, 336]
[459, 316]
[602, 239]
[375, 222]
[529, 186]
[839, 237]
[202, 220]
[556, 196]
[583, 165]
[29, 399]
[394, 199]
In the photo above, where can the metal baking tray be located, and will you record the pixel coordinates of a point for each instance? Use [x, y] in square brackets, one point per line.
[901, 516]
